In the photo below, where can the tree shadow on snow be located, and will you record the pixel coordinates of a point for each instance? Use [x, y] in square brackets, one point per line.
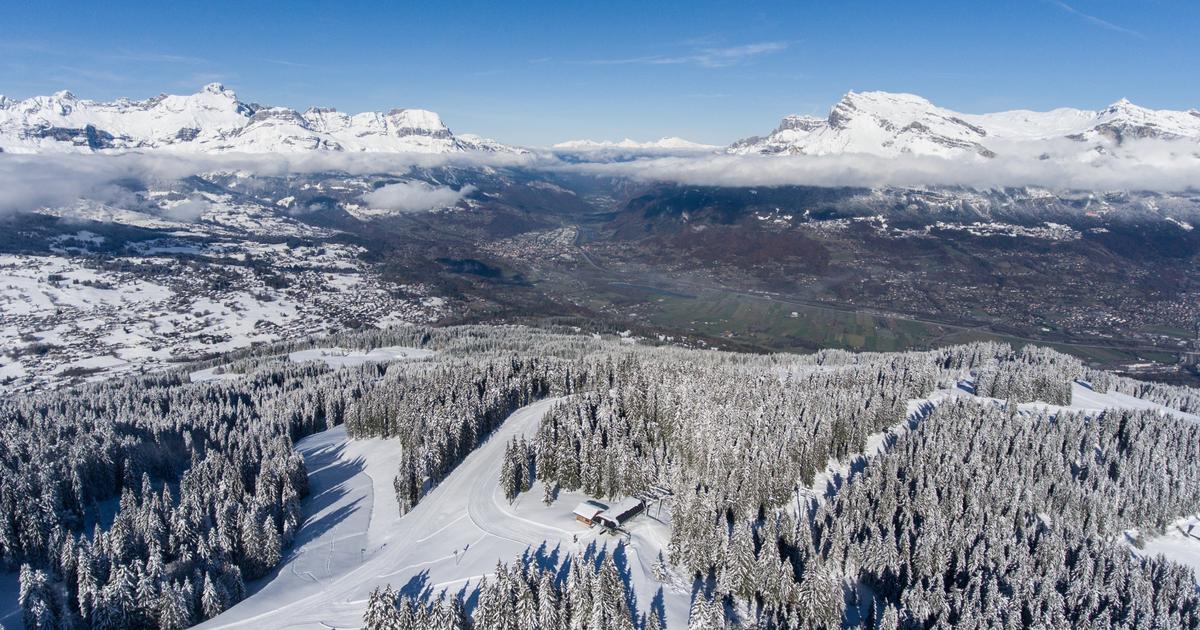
[658, 604]
[329, 475]
[308, 533]
[543, 560]
[417, 587]
[469, 596]
[621, 560]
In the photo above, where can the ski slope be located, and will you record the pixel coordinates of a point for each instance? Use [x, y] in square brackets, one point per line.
[353, 539]
[1180, 543]
[1087, 399]
[335, 358]
[340, 357]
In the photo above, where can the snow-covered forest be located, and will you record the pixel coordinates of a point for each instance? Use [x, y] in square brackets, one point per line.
[870, 490]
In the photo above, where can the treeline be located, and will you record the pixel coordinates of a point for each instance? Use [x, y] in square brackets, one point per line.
[1033, 374]
[1185, 399]
[441, 414]
[202, 481]
[593, 595]
[744, 437]
[982, 517]
[150, 502]
[188, 490]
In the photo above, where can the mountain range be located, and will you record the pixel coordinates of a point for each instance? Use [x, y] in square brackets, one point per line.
[889, 124]
[884, 124]
[214, 120]
[672, 143]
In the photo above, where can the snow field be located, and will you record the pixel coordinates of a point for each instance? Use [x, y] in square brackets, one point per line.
[340, 357]
[1180, 543]
[333, 357]
[57, 315]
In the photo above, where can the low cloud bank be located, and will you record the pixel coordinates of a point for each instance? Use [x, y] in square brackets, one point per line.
[415, 196]
[1150, 166]
[32, 181]
[28, 182]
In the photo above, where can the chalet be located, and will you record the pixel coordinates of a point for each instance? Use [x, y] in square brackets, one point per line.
[587, 512]
[620, 513]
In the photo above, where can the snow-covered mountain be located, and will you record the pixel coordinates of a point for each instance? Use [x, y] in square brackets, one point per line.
[662, 144]
[887, 124]
[213, 120]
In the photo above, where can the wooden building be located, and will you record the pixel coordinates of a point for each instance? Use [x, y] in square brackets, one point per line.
[587, 512]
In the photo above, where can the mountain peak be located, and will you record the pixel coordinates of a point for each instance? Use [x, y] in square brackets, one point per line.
[891, 124]
[879, 96]
[216, 88]
[418, 117]
[1124, 105]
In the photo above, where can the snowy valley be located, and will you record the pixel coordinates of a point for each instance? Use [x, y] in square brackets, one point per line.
[600, 316]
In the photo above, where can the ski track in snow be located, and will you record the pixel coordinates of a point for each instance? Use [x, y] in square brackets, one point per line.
[1181, 543]
[353, 539]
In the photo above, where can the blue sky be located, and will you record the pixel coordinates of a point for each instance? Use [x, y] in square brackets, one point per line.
[540, 72]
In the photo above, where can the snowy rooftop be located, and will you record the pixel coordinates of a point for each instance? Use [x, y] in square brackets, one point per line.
[587, 510]
[620, 512]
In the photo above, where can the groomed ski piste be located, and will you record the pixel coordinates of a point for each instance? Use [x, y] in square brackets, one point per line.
[333, 357]
[353, 539]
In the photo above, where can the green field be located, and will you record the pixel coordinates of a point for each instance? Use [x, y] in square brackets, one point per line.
[771, 325]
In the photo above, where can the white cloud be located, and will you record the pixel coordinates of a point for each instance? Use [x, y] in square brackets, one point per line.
[1160, 166]
[415, 196]
[28, 182]
[713, 57]
[32, 181]
[190, 209]
[1095, 21]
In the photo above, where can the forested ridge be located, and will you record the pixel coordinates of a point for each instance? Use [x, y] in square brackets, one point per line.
[979, 515]
[150, 502]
